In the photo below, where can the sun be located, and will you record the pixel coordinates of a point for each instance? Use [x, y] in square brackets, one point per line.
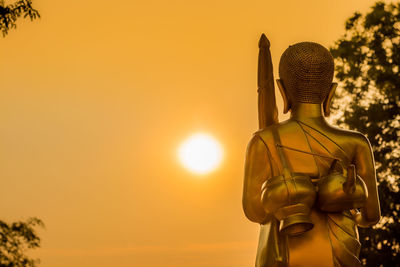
[200, 153]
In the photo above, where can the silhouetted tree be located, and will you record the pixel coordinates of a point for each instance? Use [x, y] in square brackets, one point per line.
[15, 239]
[367, 61]
[10, 13]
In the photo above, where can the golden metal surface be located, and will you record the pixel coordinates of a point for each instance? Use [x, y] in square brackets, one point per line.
[308, 184]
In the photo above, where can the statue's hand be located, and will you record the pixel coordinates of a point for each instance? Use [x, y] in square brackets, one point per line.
[357, 217]
[355, 213]
[360, 220]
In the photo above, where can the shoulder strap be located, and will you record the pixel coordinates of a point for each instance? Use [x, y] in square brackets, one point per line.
[270, 159]
[277, 140]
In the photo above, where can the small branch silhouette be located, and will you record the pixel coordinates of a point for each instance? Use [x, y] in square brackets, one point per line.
[10, 13]
[15, 239]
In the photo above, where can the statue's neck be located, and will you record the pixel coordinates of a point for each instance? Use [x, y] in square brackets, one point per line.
[306, 110]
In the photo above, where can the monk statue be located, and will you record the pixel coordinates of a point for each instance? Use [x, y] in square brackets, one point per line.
[307, 183]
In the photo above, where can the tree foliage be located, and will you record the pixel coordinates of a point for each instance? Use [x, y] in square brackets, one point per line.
[367, 61]
[15, 239]
[10, 13]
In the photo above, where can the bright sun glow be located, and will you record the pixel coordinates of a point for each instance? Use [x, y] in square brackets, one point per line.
[200, 153]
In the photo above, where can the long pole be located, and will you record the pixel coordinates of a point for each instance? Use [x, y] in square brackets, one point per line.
[267, 115]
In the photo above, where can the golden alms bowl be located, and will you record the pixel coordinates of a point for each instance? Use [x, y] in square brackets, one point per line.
[339, 191]
[290, 198]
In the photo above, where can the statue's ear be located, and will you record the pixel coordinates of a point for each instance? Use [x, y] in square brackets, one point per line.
[328, 100]
[286, 101]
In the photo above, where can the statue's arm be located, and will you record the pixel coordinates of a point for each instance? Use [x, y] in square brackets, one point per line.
[365, 166]
[257, 170]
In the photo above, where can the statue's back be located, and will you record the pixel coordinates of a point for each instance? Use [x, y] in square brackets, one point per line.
[332, 236]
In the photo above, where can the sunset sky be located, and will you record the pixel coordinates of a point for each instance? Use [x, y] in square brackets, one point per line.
[96, 98]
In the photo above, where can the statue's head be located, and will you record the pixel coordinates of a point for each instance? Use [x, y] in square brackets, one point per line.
[306, 73]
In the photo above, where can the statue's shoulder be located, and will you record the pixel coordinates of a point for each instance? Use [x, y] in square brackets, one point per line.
[357, 138]
[259, 143]
[266, 134]
[350, 137]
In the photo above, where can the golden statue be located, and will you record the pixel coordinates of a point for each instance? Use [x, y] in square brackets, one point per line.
[307, 183]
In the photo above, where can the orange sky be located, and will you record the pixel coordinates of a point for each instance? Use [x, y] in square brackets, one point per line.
[95, 99]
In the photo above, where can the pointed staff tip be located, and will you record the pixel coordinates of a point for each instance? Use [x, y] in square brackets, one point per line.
[264, 42]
